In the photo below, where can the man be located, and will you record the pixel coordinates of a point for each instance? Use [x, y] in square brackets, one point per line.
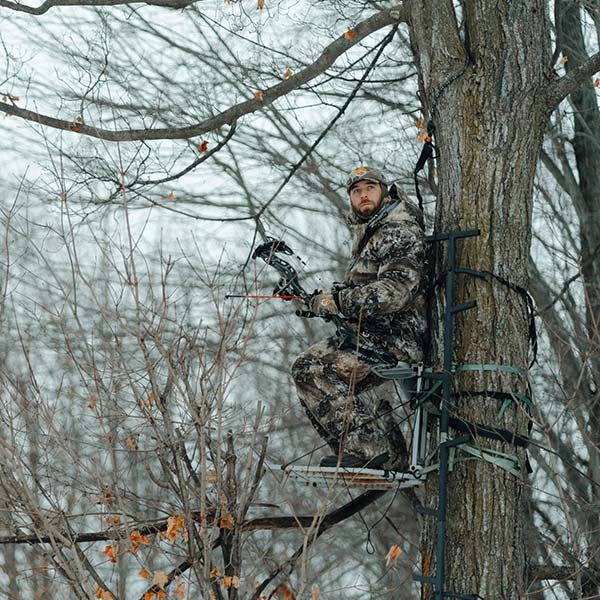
[383, 297]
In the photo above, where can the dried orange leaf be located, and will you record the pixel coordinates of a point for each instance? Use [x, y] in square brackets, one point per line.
[179, 590]
[597, 83]
[111, 552]
[79, 120]
[106, 595]
[420, 122]
[161, 594]
[113, 521]
[214, 572]
[261, 4]
[393, 555]
[98, 591]
[235, 581]
[74, 127]
[203, 147]
[422, 136]
[144, 573]
[350, 34]
[287, 74]
[136, 538]
[15, 98]
[175, 526]
[227, 581]
[171, 196]
[211, 476]
[160, 579]
[286, 592]
[226, 522]
[148, 595]
[92, 403]
[131, 443]
[258, 95]
[563, 60]
[315, 593]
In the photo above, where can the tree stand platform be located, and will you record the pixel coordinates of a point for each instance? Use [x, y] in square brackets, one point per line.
[353, 478]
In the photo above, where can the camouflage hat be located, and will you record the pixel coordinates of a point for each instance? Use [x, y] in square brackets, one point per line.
[364, 174]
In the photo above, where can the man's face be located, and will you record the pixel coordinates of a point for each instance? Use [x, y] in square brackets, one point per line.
[365, 197]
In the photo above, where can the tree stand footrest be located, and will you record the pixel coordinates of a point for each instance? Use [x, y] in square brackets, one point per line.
[359, 478]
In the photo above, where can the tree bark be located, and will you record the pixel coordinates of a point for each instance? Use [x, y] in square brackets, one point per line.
[484, 86]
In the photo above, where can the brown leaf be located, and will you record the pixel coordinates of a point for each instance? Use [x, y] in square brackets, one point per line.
[175, 526]
[160, 579]
[179, 591]
[287, 74]
[261, 4]
[171, 196]
[258, 95]
[226, 522]
[286, 592]
[111, 552]
[350, 34]
[393, 555]
[203, 147]
[144, 573]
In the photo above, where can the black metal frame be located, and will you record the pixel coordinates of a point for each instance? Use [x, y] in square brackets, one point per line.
[446, 444]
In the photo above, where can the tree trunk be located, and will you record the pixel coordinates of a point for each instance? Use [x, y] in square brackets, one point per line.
[484, 87]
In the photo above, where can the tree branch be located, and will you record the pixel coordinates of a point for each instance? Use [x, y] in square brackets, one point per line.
[261, 523]
[48, 4]
[329, 55]
[567, 84]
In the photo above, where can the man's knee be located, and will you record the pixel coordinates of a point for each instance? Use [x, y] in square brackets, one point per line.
[301, 367]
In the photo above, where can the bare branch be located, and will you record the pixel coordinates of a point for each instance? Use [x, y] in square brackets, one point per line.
[567, 84]
[48, 4]
[228, 116]
[291, 522]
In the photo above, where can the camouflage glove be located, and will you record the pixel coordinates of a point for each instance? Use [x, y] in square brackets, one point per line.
[323, 303]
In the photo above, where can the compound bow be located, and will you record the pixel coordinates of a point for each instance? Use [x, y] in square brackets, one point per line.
[289, 287]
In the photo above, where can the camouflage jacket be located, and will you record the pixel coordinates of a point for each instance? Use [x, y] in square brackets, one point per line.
[384, 285]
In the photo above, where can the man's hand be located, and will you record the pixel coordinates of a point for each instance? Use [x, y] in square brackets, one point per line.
[323, 304]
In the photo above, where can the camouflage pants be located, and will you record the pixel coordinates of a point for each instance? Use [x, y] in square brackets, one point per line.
[332, 386]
